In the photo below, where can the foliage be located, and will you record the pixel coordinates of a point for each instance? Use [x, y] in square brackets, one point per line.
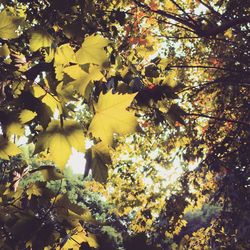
[160, 89]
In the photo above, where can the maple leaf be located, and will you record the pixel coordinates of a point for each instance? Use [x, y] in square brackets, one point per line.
[7, 149]
[64, 55]
[26, 116]
[40, 39]
[92, 50]
[9, 25]
[98, 160]
[112, 116]
[15, 128]
[60, 140]
[46, 97]
[83, 78]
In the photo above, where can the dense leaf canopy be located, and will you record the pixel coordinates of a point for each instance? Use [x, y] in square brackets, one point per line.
[154, 94]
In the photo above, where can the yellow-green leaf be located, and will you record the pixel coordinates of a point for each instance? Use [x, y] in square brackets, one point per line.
[92, 50]
[4, 50]
[26, 116]
[34, 189]
[50, 173]
[112, 116]
[9, 25]
[40, 39]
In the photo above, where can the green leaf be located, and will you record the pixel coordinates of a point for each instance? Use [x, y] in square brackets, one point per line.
[9, 25]
[92, 50]
[60, 140]
[7, 149]
[112, 116]
[40, 39]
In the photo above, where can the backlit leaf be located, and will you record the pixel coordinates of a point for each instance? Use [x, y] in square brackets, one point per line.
[26, 116]
[40, 39]
[7, 149]
[35, 190]
[112, 116]
[60, 140]
[83, 78]
[15, 128]
[47, 98]
[9, 25]
[64, 54]
[92, 50]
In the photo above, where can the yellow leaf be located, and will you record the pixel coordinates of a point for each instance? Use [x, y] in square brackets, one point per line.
[40, 39]
[60, 140]
[83, 78]
[111, 116]
[9, 25]
[92, 50]
[47, 98]
[49, 54]
[59, 68]
[64, 55]
[229, 33]
[34, 190]
[169, 6]
[15, 128]
[74, 71]
[26, 116]
[66, 92]
[7, 149]
[91, 239]
[171, 78]
[60, 149]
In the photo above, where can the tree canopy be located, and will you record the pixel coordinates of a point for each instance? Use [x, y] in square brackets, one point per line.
[155, 94]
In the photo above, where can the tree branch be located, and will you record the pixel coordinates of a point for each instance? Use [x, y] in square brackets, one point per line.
[225, 26]
[34, 71]
[167, 15]
[218, 119]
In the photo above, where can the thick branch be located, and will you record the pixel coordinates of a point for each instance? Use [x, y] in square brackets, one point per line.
[205, 67]
[225, 26]
[196, 28]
